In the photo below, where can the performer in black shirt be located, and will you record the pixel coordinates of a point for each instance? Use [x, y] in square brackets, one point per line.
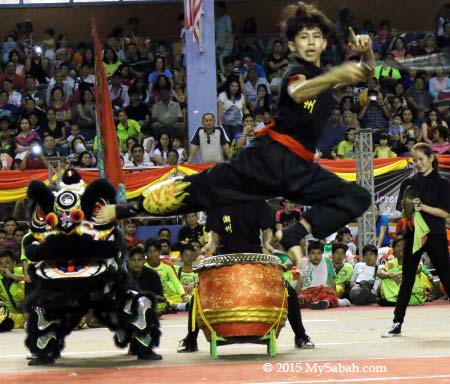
[239, 227]
[433, 202]
[280, 161]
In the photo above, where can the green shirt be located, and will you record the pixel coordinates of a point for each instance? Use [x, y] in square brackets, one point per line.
[169, 280]
[344, 275]
[386, 72]
[16, 290]
[133, 130]
[345, 150]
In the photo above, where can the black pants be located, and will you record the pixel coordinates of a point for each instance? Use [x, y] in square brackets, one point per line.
[294, 317]
[437, 249]
[267, 169]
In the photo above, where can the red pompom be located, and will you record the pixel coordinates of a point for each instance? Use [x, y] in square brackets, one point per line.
[77, 216]
[52, 219]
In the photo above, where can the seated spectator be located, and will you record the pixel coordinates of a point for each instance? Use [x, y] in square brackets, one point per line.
[231, 73]
[56, 129]
[391, 277]
[62, 108]
[127, 128]
[84, 115]
[85, 160]
[396, 133]
[432, 122]
[10, 73]
[164, 233]
[29, 107]
[418, 97]
[375, 114]
[118, 92]
[344, 235]
[177, 145]
[443, 40]
[347, 104]
[275, 83]
[211, 141]
[343, 270]
[191, 230]
[33, 158]
[248, 134]
[166, 249]
[231, 107]
[59, 81]
[8, 110]
[263, 101]
[172, 288]
[383, 150]
[110, 61]
[162, 82]
[138, 110]
[386, 74]
[398, 48]
[430, 46]
[146, 278]
[440, 137]
[163, 147]
[289, 214]
[249, 64]
[16, 57]
[32, 91]
[25, 136]
[137, 158]
[399, 93]
[37, 66]
[172, 157]
[276, 60]
[129, 234]
[10, 226]
[77, 146]
[12, 290]
[412, 131]
[345, 149]
[15, 98]
[75, 132]
[167, 116]
[251, 88]
[438, 84]
[332, 135]
[350, 120]
[382, 228]
[365, 281]
[372, 85]
[188, 278]
[49, 147]
[85, 80]
[316, 281]
[160, 69]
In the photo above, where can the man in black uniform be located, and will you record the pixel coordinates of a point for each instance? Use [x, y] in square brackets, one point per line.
[238, 227]
[280, 161]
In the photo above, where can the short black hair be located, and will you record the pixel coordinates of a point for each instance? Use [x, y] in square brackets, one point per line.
[164, 229]
[7, 253]
[369, 248]
[152, 242]
[137, 146]
[313, 245]
[337, 245]
[186, 247]
[136, 250]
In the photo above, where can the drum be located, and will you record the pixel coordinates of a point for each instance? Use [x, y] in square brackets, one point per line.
[241, 295]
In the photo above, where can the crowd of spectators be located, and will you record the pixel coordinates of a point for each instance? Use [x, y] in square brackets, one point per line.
[47, 110]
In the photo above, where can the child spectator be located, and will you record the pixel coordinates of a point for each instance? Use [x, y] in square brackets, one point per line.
[344, 235]
[75, 132]
[365, 281]
[345, 149]
[391, 277]
[172, 288]
[317, 281]
[441, 144]
[185, 273]
[129, 234]
[383, 149]
[343, 270]
[12, 293]
[396, 133]
[433, 121]
[177, 145]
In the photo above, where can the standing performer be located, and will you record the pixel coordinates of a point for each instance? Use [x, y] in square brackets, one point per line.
[238, 227]
[432, 201]
[280, 161]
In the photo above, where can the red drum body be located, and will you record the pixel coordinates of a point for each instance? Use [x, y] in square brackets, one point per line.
[241, 295]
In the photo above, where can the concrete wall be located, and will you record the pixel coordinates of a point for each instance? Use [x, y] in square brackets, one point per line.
[160, 20]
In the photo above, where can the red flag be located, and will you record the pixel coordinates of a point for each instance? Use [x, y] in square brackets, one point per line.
[105, 118]
[193, 19]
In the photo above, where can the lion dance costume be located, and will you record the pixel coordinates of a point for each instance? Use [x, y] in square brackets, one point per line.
[76, 266]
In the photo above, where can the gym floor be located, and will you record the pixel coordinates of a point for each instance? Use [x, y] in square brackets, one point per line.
[349, 348]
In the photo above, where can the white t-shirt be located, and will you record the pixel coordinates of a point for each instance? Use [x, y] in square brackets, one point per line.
[227, 103]
[364, 272]
[317, 275]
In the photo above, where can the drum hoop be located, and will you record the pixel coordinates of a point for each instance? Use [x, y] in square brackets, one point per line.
[238, 258]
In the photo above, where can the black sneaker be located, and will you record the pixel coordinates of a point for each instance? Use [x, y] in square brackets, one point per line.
[304, 342]
[321, 304]
[45, 360]
[149, 356]
[187, 347]
[394, 330]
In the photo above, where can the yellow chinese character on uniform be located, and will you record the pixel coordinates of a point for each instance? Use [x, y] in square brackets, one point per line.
[226, 219]
[228, 228]
[309, 105]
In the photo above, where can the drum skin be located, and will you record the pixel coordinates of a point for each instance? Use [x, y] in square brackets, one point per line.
[242, 299]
